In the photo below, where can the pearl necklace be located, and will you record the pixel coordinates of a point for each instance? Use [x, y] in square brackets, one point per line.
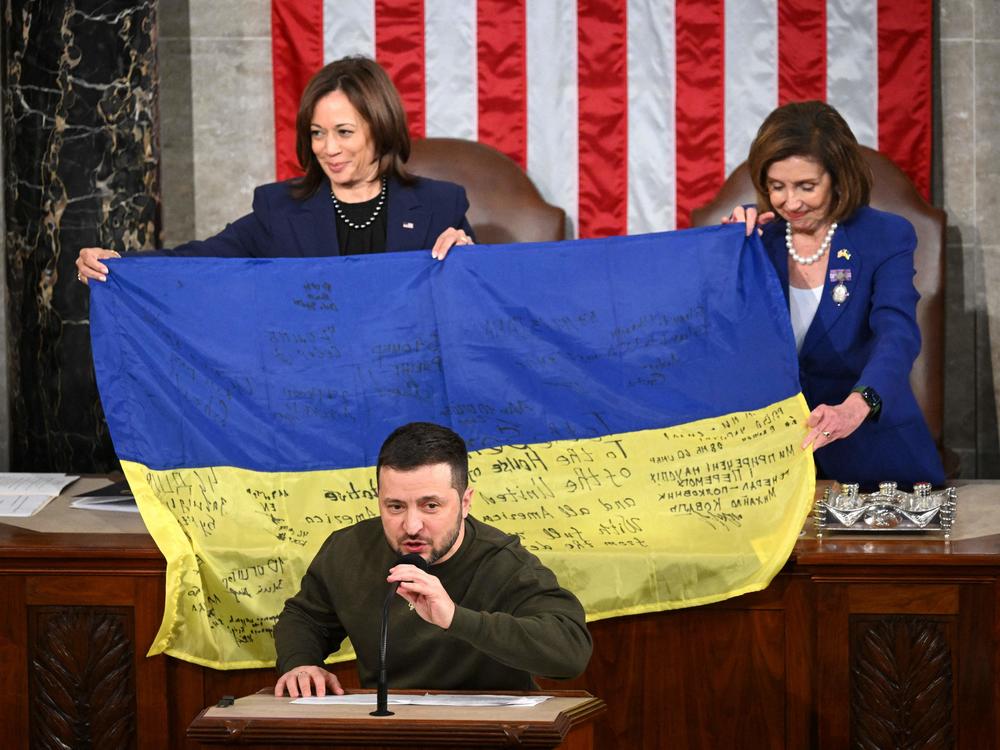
[351, 224]
[815, 256]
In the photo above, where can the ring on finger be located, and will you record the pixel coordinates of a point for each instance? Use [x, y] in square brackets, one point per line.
[825, 433]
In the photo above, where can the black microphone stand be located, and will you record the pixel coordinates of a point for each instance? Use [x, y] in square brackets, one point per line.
[382, 699]
[382, 694]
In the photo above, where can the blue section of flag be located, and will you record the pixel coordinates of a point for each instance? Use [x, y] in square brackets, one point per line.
[294, 365]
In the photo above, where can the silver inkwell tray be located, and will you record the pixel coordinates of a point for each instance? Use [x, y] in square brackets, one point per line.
[889, 509]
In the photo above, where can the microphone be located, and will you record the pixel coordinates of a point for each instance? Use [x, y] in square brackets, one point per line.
[382, 699]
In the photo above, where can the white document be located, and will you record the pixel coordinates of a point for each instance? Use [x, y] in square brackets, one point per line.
[23, 495]
[369, 699]
[23, 506]
[16, 483]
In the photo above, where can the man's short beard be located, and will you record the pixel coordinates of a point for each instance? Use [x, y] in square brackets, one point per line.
[438, 552]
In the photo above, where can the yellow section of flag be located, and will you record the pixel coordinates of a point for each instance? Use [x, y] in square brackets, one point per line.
[634, 522]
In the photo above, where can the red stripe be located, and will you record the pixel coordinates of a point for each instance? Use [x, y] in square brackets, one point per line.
[701, 104]
[501, 52]
[296, 53]
[602, 84]
[801, 50]
[904, 87]
[399, 47]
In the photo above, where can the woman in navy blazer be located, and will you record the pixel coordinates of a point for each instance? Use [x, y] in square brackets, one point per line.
[356, 195]
[847, 272]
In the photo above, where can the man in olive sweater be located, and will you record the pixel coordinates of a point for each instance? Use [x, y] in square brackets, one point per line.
[486, 615]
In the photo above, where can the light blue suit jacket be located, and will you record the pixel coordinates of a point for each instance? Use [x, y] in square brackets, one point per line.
[283, 227]
[870, 339]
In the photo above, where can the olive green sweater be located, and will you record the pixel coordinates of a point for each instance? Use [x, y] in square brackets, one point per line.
[512, 620]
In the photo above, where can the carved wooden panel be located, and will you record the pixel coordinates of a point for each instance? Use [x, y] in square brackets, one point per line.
[81, 677]
[709, 678]
[902, 684]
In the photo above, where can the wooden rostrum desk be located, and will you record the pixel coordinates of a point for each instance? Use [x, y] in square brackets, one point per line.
[875, 641]
[563, 721]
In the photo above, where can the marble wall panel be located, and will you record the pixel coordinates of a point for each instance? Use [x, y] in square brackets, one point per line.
[970, 153]
[233, 116]
[968, 384]
[987, 178]
[4, 384]
[987, 139]
[232, 19]
[176, 125]
[957, 60]
[987, 23]
[79, 117]
[956, 18]
[218, 135]
[963, 284]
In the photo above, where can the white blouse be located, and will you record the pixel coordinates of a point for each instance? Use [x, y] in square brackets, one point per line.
[802, 304]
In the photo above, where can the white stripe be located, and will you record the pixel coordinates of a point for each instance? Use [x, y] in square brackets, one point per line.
[553, 134]
[652, 205]
[852, 65]
[451, 75]
[751, 79]
[348, 29]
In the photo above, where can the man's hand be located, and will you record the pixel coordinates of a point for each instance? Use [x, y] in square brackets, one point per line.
[425, 594]
[749, 217]
[89, 266]
[299, 682]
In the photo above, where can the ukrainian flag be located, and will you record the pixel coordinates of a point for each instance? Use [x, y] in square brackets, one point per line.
[632, 403]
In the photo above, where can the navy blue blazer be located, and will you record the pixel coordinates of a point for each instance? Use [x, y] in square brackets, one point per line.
[282, 227]
[870, 339]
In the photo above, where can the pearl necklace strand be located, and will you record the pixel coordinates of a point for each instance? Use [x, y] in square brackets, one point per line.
[815, 256]
[351, 224]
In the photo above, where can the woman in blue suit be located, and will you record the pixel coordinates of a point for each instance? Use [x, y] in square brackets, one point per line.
[847, 272]
[356, 195]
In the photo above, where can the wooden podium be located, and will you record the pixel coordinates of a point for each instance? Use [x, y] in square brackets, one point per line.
[263, 721]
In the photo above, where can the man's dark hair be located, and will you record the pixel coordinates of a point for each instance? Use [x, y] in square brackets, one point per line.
[422, 444]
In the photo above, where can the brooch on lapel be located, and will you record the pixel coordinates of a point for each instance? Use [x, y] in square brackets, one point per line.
[407, 225]
[839, 277]
[844, 253]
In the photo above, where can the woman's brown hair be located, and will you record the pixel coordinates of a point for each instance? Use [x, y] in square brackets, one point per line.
[817, 131]
[371, 92]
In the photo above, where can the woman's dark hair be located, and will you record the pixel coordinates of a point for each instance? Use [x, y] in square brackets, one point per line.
[423, 444]
[371, 92]
[817, 131]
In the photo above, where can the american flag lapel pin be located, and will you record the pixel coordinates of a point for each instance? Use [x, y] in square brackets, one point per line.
[407, 225]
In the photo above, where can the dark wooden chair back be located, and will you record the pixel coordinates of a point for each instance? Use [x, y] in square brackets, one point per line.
[891, 191]
[505, 206]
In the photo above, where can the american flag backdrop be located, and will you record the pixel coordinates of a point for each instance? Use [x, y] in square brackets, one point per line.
[626, 113]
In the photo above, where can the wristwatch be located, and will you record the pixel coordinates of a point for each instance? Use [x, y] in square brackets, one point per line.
[871, 397]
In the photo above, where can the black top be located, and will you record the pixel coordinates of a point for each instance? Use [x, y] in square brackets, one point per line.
[371, 239]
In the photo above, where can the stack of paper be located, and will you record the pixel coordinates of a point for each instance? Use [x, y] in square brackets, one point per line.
[24, 495]
[115, 496]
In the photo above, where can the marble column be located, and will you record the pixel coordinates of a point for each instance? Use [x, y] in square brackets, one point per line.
[79, 122]
[4, 387]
